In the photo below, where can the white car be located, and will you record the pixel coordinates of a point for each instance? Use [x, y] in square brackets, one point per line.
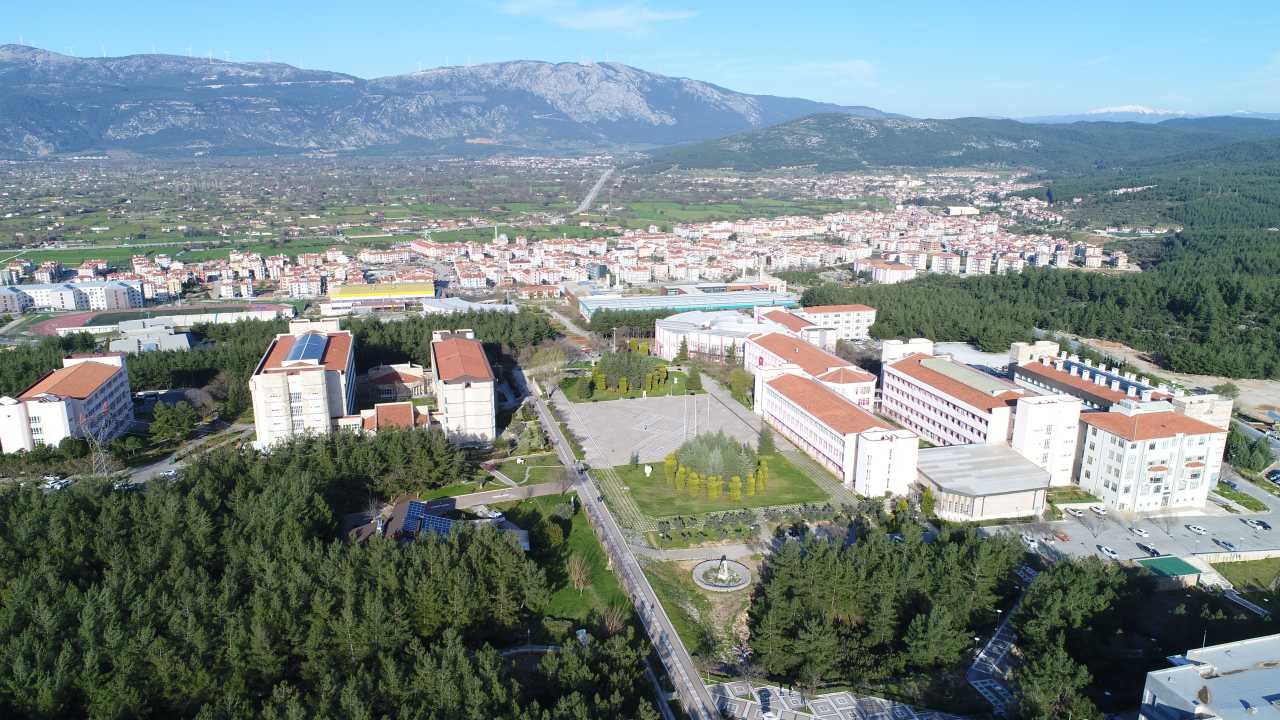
[1098, 509]
[169, 473]
[1030, 541]
[1074, 512]
[1139, 532]
[1197, 530]
[1109, 552]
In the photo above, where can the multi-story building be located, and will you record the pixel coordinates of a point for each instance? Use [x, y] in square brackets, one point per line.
[852, 322]
[775, 349]
[464, 386]
[304, 383]
[1144, 456]
[978, 264]
[946, 264]
[88, 397]
[1233, 681]
[709, 335]
[111, 295]
[1045, 431]
[863, 450]
[821, 336]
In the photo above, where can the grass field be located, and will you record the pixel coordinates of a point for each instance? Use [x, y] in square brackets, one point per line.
[117, 256]
[517, 472]
[787, 486]
[1070, 494]
[1250, 575]
[1244, 499]
[676, 381]
[579, 539]
[116, 317]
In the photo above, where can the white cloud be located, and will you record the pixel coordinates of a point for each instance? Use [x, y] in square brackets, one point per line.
[634, 19]
[845, 72]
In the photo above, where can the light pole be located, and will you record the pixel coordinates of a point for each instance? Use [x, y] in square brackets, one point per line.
[615, 340]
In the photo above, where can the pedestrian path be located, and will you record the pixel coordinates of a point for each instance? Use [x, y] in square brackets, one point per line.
[826, 481]
[624, 506]
[1208, 576]
[740, 700]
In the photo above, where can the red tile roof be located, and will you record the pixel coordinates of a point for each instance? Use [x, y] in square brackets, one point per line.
[460, 359]
[335, 355]
[814, 361]
[1066, 378]
[1149, 426]
[787, 320]
[395, 376]
[845, 375]
[911, 367]
[825, 404]
[78, 381]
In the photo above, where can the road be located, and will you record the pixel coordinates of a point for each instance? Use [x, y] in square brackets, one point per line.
[1254, 435]
[567, 323]
[681, 671]
[591, 196]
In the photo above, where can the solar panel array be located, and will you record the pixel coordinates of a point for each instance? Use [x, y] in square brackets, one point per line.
[417, 520]
[307, 347]
[977, 380]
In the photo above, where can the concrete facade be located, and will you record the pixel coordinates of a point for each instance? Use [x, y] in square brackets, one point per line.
[89, 395]
[304, 392]
[464, 386]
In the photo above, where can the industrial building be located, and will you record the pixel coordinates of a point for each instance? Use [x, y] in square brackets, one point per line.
[1233, 681]
[304, 383]
[88, 396]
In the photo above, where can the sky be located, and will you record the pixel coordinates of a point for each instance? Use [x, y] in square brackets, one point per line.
[924, 59]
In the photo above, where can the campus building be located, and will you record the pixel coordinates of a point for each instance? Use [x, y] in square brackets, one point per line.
[113, 295]
[304, 383]
[768, 350]
[852, 322]
[710, 335]
[972, 483]
[821, 336]
[1233, 681]
[464, 386]
[861, 449]
[1145, 456]
[88, 396]
[684, 300]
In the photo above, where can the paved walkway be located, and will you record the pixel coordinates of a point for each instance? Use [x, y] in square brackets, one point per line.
[740, 700]
[990, 669]
[822, 478]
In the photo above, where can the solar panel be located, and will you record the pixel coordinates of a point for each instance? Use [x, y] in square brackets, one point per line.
[966, 375]
[307, 347]
[416, 520]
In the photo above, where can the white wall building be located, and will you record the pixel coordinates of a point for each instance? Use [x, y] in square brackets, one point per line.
[863, 450]
[304, 383]
[772, 350]
[112, 295]
[712, 334]
[1045, 431]
[852, 322]
[88, 395]
[948, 402]
[1144, 456]
[464, 386]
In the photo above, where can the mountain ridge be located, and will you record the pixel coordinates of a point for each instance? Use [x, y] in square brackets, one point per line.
[173, 105]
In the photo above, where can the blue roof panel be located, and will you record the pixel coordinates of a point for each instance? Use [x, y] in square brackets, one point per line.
[307, 347]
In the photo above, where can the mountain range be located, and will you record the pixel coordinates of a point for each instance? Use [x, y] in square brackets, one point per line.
[832, 142]
[1138, 113]
[168, 105]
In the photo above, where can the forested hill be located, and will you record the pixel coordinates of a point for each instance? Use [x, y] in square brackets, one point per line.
[834, 142]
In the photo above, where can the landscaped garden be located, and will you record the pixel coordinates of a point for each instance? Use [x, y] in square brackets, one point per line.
[533, 469]
[1240, 498]
[1251, 574]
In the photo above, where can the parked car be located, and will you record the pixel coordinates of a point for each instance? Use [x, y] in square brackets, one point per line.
[1263, 524]
[1139, 532]
[1252, 523]
[1230, 546]
[1075, 512]
[51, 478]
[1030, 541]
[1098, 509]
[1197, 530]
[1062, 536]
[1149, 549]
[1230, 483]
[1109, 552]
[169, 473]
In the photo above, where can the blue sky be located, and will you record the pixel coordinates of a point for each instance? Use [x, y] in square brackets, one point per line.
[925, 59]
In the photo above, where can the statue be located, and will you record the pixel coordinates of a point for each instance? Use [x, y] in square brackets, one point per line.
[648, 470]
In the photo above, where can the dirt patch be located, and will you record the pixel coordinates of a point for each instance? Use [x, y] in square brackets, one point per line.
[728, 620]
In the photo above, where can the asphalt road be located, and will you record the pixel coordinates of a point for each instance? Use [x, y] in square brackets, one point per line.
[1176, 539]
[682, 672]
[591, 196]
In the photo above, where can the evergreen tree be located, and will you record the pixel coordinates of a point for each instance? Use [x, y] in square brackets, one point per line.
[682, 476]
[715, 487]
[695, 380]
[695, 485]
[669, 464]
[584, 387]
[762, 475]
[735, 488]
[927, 502]
[751, 484]
[765, 446]
[683, 354]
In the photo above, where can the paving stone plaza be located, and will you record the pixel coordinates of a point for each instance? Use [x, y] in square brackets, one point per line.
[782, 704]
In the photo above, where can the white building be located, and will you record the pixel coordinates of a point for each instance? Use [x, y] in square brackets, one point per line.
[1045, 431]
[852, 322]
[708, 334]
[464, 385]
[111, 295]
[1144, 456]
[947, 402]
[946, 264]
[89, 395]
[863, 450]
[773, 350]
[304, 383]
[1234, 681]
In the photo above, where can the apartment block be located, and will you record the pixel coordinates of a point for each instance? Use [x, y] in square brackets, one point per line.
[1144, 456]
[852, 322]
[304, 383]
[88, 396]
[111, 295]
[464, 384]
[946, 264]
[861, 449]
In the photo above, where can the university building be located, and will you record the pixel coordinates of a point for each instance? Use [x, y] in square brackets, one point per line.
[464, 386]
[768, 350]
[304, 383]
[88, 395]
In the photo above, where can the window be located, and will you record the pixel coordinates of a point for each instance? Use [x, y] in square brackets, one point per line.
[1146, 489]
[1046, 444]
[1044, 458]
[295, 397]
[1151, 446]
[1201, 441]
[1048, 428]
[1182, 485]
[1094, 432]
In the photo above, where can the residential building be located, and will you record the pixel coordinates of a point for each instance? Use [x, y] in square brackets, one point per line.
[1144, 456]
[972, 483]
[768, 350]
[532, 292]
[852, 322]
[977, 264]
[946, 264]
[110, 295]
[464, 386]
[1232, 681]
[88, 397]
[304, 383]
[863, 450]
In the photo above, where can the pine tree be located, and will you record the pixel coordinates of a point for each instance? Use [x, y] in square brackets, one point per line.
[715, 487]
[584, 387]
[682, 476]
[670, 465]
[683, 353]
[695, 380]
[622, 386]
[735, 488]
[762, 475]
[695, 485]
[766, 446]
[927, 502]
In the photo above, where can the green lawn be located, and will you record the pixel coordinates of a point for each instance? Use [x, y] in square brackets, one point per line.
[1244, 499]
[677, 593]
[117, 317]
[118, 256]
[579, 539]
[676, 381]
[1250, 575]
[1070, 494]
[787, 486]
[516, 471]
